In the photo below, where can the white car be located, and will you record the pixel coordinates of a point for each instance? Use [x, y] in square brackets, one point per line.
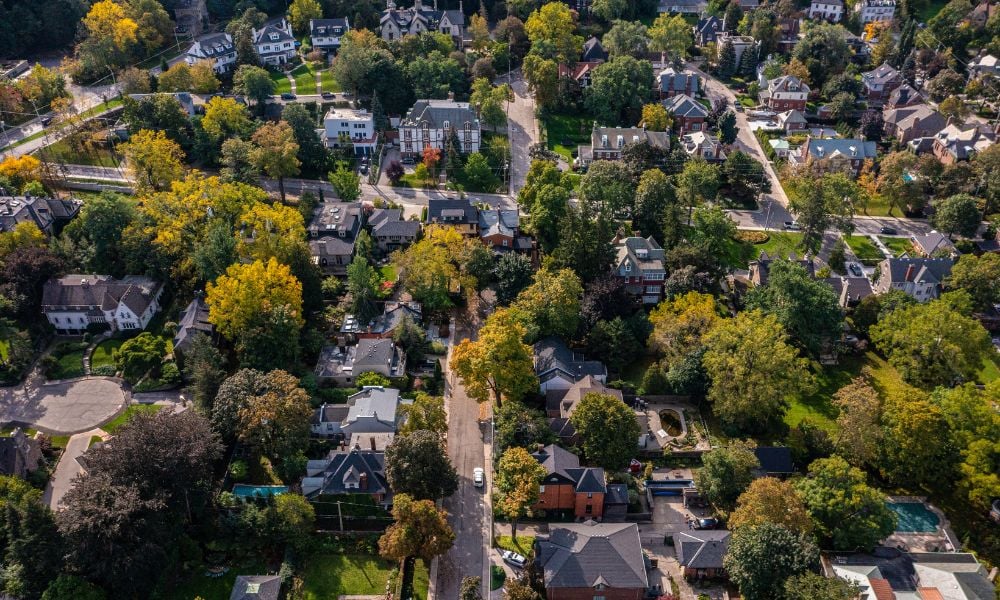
[513, 559]
[478, 477]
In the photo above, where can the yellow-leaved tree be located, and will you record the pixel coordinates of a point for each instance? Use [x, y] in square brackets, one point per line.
[498, 365]
[270, 230]
[154, 160]
[247, 293]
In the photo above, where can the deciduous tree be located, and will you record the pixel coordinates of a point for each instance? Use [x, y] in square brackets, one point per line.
[607, 430]
[254, 83]
[551, 29]
[810, 586]
[761, 559]
[345, 182]
[859, 431]
[154, 161]
[420, 529]
[237, 299]
[680, 325]
[770, 500]
[619, 88]
[300, 12]
[671, 36]
[416, 464]
[426, 413]
[958, 214]
[498, 365]
[726, 473]
[550, 305]
[518, 479]
[225, 118]
[276, 153]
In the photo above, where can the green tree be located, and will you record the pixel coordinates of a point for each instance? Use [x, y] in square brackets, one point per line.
[607, 430]
[102, 221]
[420, 529]
[542, 76]
[609, 10]
[550, 305]
[698, 182]
[608, 186]
[761, 559]
[362, 284]
[425, 413]
[300, 12]
[727, 127]
[657, 212]
[512, 273]
[551, 31]
[959, 215]
[726, 65]
[225, 118]
[276, 153]
[345, 182]
[498, 365]
[372, 379]
[254, 83]
[140, 355]
[614, 343]
[979, 276]
[859, 432]
[680, 325]
[917, 449]
[626, 38]
[824, 51]
[519, 425]
[726, 473]
[312, 153]
[547, 213]
[810, 586]
[205, 367]
[470, 589]
[295, 519]
[771, 500]
[70, 587]
[671, 36]
[584, 243]
[518, 479]
[237, 162]
[619, 88]
[153, 160]
[416, 464]
[478, 174]
[821, 203]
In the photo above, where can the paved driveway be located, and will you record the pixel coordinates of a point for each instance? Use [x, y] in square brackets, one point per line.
[64, 407]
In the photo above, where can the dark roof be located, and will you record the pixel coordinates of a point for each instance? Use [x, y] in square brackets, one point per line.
[393, 315]
[404, 16]
[559, 461]
[43, 212]
[328, 27]
[774, 459]
[881, 75]
[436, 112]
[372, 353]
[213, 44]
[341, 471]
[386, 222]
[672, 80]
[904, 95]
[933, 270]
[552, 354]
[589, 554]
[256, 587]
[330, 413]
[194, 320]
[81, 291]
[685, 106]
[449, 210]
[593, 50]
[701, 549]
[274, 26]
[617, 494]
[19, 454]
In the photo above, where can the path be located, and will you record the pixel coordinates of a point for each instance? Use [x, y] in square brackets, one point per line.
[291, 83]
[68, 467]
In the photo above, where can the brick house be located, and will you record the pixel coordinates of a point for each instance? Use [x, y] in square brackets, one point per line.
[639, 261]
[912, 122]
[828, 155]
[689, 115]
[787, 92]
[569, 487]
[954, 144]
[920, 278]
[671, 82]
[904, 95]
[880, 82]
[592, 561]
[700, 553]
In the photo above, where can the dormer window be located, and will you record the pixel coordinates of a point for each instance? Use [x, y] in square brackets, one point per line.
[447, 125]
[621, 141]
[604, 141]
[628, 267]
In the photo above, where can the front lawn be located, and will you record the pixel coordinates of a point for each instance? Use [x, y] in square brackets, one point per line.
[897, 245]
[95, 156]
[103, 355]
[329, 83]
[779, 243]
[305, 79]
[281, 83]
[67, 366]
[327, 576]
[4, 350]
[864, 249]
[565, 132]
[387, 272]
[118, 422]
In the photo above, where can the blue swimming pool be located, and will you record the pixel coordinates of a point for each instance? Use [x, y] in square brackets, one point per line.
[914, 517]
[242, 490]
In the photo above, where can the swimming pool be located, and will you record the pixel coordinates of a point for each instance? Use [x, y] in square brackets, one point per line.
[914, 517]
[242, 490]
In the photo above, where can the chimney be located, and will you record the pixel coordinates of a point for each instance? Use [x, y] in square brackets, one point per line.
[417, 5]
[909, 273]
[363, 479]
[372, 444]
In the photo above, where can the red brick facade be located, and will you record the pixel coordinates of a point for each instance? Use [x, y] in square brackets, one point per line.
[563, 496]
[590, 594]
[689, 124]
[786, 104]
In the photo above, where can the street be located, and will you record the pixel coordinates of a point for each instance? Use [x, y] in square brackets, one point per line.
[522, 128]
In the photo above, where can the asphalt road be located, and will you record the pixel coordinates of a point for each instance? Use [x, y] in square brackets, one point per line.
[522, 128]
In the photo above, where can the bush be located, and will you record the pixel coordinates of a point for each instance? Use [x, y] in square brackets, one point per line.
[104, 370]
[239, 470]
[751, 237]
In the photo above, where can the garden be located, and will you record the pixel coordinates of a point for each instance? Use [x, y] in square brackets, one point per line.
[563, 133]
[65, 360]
[863, 248]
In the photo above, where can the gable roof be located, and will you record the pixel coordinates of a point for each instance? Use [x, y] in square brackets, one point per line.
[499, 222]
[564, 401]
[932, 242]
[791, 116]
[43, 212]
[212, 45]
[618, 137]
[386, 222]
[907, 117]
[962, 143]
[552, 355]
[275, 27]
[194, 320]
[924, 270]
[373, 402]
[372, 353]
[881, 75]
[829, 148]
[436, 112]
[683, 105]
[672, 80]
[393, 314]
[701, 549]
[452, 210]
[787, 83]
[588, 554]
[774, 459]
[256, 587]
[593, 50]
[84, 291]
[642, 253]
[327, 27]
[558, 461]
[344, 468]
[904, 95]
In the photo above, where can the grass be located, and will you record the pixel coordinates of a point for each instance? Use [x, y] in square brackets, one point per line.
[202, 586]
[96, 156]
[636, 370]
[69, 365]
[104, 353]
[933, 7]
[327, 576]
[897, 245]
[421, 580]
[281, 83]
[780, 243]
[523, 545]
[59, 441]
[84, 115]
[329, 84]
[864, 249]
[118, 422]
[565, 132]
[305, 79]
[4, 350]
[991, 369]
[387, 272]
[94, 439]
[410, 180]
[497, 577]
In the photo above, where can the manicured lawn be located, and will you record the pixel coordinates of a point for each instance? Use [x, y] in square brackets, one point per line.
[305, 79]
[410, 180]
[4, 350]
[104, 353]
[281, 83]
[70, 365]
[878, 208]
[780, 243]
[566, 132]
[327, 576]
[897, 245]
[523, 545]
[96, 156]
[328, 82]
[421, 580]
[933, 7]
[59, 441]
[133, 409]
[864, 249]
[387, 272]
[93, 440]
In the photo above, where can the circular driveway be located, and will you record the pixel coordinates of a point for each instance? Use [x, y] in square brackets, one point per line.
[64, 407]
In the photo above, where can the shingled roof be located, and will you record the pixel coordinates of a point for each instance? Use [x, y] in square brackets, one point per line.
[558, 461]
[701, 549]
[81, 292]
[589, 554]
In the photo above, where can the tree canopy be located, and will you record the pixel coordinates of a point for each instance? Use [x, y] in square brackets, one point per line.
[416, 464]
[607, 429]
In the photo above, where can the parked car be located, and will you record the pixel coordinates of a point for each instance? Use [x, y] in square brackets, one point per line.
[46, 121]
[407, 161]
[514, 559]
[855, 269]
[327, 95]
[739, 107]
[791, 226]
[706, 523]
[288, 96]
[887, 230]
[478, 477]
[363, 169]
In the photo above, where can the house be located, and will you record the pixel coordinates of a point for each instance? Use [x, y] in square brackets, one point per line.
[73, 302]
[607, 143]
[558, 367]
[741, 43]
[775, 461]
[325, 34]
[332, 232]
[827, 155]
[986, 64]
[432, 122]
[369, 415]
[787, 92]
[921, 278]
[592, 560]
[703, 145]
[788, 28]
[327, 418]
[700, 552]
[689, 114]
[780, 147]
[828, 10]
[683, 7]
[19, 454]
[981, 14]
[193, 321]
[640, 262]
[875, 10]
[500, 229]
[353, 471]
[913, 122]
[459, 214]
[397, 23]
[350, 128]
[390, 231]
[341, 364]
[384, 325]
[955, 143]
[579, 72]
[593, 51]
[671, 82]
[934, 245]
[561, 402]
[256, 587]
[48, 214]
[567, 486]
[761, 268]
[274, 42]
[193, 104]
[915, 575]
[880, 82]
[707, 30]
[850, 290]
[792, 120]
[218, 48]
[190, 17]
[903, 96]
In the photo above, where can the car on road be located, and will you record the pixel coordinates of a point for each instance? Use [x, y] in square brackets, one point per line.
[478, 477]
[288, 96]
[46, 121]
[886, 230]
[513, 559]
[408, 161]
[327, 95]
[706, 523]
[791, 226]
[739, 107]
[855, 269]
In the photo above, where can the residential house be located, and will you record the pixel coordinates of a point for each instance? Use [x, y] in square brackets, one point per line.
[707, 30]
[671, 82]
[459, 214]
[193, 322]
[903, 96]
[934, 245]
[350, 128]
[397, 23]
[370, 416]
[432, 122]
[682, 7]
[569, 487]
[500, 229]
[700, 553]
[558, 368]
[789, 28]
[73, 302]
[48, 214]
[342, 364]
[981, 14]
[325, 34]
[256, 587]
[827, 155]
[384, 325]
[787, 92]
[274, 42]
[607, 143]
[875, 10]
[332, 232]
[689, 114]
[828, 10]
[218, 48]
[921, 278]
[579, 72]
[880, 82]
[703, 145]
[390, 231]
[190, 17]
[741, 43]
[748, 5]
[193, 104]
[592, 560]
[915, 575]
[781, 148]
[561, 402]
[792, 120]
[593, 51]
[760, 269]
[774, 461]
[353, 471]
[850, 290]
[913, 122]
[640, 262]
[986, 64]
[956, 143]
[19, 454]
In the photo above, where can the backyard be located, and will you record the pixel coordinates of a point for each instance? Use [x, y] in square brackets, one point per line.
[327, 576]
[210, 586]
[563, 133]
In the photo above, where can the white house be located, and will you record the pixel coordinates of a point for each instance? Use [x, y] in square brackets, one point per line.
[430, 123]
[829, 10]
[274, 42]
[325, 34]
[400, 22]
[374, 411]
[348, 126]
[921, 278]
[558, 367]
[217, 48]
[875, 10]
[73, 302]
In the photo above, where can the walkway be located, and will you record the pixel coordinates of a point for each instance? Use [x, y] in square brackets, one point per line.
[68, 467]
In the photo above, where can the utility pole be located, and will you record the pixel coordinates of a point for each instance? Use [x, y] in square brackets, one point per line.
[340, 517]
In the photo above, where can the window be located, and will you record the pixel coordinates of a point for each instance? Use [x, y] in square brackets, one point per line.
[628, 267]
[590, 509]
[541, 489]
[590, 495]
[652, 289]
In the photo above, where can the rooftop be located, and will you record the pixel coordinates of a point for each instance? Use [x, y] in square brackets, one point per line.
[587, 555]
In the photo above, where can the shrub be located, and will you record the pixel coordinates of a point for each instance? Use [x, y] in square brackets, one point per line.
[239, 470]
[104, 370]
[751, 237]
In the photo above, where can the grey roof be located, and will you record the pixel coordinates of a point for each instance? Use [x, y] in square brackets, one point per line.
[330, 413]
[564, 401]
[90, 292]
[904, 95]
[563, 463]
[451, 210]
[792, 116]
[552, 354]
[330, 247]
[956, 575]
[709, 24]
[644, 254]
[760, 268]
[256, 587]
[194, 320]
[962, 143]
[341, 473]
[436, 112]
[275, 27]
[916, 115]
[672, 80]
[881, 75]
[588, 554]
[373, 353]
[831, 147]
[850, 290]
[328, 27]
[786, 83]
[685, 106]
[593, 50]
[499, 222]
[929, 270]
[618, 137]
[774, 459]
[386, 222]
[336, 219]
[617, 494]
[43, 212]
[373, 402]
[404, 16]
[932, 242]
[393, 315]
[212, 45]
[701, 549]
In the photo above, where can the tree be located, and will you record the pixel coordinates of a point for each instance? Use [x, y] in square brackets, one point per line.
[498, 365]
[655, 117]
[761, 559]
[958, 214]
[615, 342]
[626, 38]
[584, 243]
[519, 589]
[518, 478]
[542, 76]
[479, 31]
[69, 587]
[698, 181]
[618, 90]
[770, 500]
[175, 79]
[547, 212]
[394, 172]
[810, 586]
[154, 161]
[607, 429]
[478, 173]
[944, 84]
[204, 366]
[470, 589]
[680, 325]
[237, 162]
[550, 305]
[254, 83]
[726, 473]
[203, 79]
[512, 273]
[609, 10]
[237, 299]
[979, 276]
[917, 446]
[872, 126]
[158, 112]
[849, 514]
[300, 12]
[345, 182]
[656, 212]
[271, 230]
[295, 519]
[824, 51]
[519, 425]
[430, 267]
[841, 106]
[671, 36]
[420, 529]
[551, 28]
[435, 75]
[753, 371]
[954, 107]
[101, 221]
[426, 413]
[416, 464]
[140, 355]
[225, 118]
[727, 127]
[726, 65]
[821, 203]
[608, 187]
[859, 431]
[276, 152]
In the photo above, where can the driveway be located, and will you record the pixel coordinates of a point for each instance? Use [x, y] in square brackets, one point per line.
[522, 128]
[64, 407]
[68, 468]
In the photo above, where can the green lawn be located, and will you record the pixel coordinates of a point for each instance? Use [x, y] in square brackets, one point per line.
[991, 369]
[93, 440]
[327, 576]
[69, 365]
[421, 580]
[209, 588]
[281, 83]
[933, 7]
[634, 371]
[305, 79]
[329, 83]
[4, 350]
[565, 132]
[897, 245]
[104, 353]
[59, 441]
[523, 545]
[133, 409]
[410, 180]
[779, 243]
[387, 272]
[96, 156]
[864, 249]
